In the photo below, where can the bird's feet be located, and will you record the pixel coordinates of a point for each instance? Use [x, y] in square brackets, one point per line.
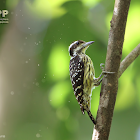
[103, 70]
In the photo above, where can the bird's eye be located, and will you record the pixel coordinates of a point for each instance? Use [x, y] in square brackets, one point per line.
[77, 42]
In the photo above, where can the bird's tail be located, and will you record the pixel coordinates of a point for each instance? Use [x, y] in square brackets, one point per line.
[91, 116]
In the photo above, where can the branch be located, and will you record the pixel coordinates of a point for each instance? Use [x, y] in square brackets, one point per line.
[128, 60]
[110, 83]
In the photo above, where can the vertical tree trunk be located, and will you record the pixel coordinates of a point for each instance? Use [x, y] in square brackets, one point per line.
[110, 82]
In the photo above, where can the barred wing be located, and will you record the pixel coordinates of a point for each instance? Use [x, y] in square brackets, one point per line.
[76, 69]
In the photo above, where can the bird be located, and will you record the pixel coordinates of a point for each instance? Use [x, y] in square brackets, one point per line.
[82, 75]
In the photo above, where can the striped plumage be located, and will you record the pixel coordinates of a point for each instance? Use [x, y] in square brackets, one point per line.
[82, 75]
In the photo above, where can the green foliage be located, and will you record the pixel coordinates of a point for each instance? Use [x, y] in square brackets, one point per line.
[53, 112]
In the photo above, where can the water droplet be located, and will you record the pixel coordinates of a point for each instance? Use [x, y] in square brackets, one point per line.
[37, 84]
[12, 93]
[26, 61]
[38, 64]
[38, 135]
[28, 27]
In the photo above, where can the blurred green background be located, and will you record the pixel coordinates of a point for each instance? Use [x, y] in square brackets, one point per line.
[36, 96]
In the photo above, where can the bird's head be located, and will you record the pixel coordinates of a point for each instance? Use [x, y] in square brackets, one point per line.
[78, 47]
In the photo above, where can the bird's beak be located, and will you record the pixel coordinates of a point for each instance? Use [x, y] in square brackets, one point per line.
[88, 43]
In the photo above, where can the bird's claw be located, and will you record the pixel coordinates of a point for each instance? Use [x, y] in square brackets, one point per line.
[101, 66]
[103, 70]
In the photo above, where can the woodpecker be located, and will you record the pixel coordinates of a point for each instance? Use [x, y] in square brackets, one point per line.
[82, 75]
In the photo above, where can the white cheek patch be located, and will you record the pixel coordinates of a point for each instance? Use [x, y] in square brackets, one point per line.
[76, 50]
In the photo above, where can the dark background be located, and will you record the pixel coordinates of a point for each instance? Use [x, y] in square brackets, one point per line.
[36, 96]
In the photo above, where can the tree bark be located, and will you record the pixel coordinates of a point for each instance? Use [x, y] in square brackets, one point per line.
[128, 60]
[110, 82]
